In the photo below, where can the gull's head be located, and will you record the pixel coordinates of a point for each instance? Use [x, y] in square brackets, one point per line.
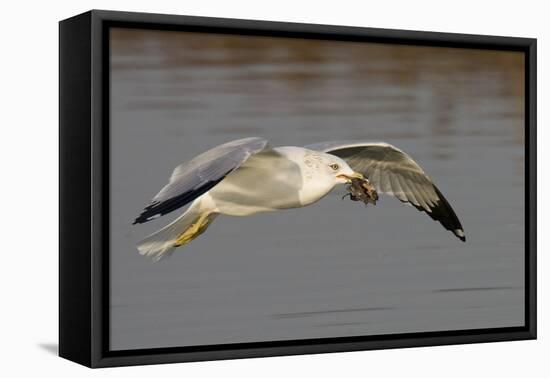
[339, 169]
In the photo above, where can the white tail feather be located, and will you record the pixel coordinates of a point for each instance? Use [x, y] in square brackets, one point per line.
[161, 244]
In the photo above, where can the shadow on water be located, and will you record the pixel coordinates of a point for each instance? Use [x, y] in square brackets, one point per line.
[329, 312]
[466, 289]
[341, 324]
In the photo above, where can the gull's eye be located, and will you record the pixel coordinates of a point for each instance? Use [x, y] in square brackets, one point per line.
[335, 167]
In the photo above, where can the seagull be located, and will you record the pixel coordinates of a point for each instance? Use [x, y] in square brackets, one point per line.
[248, 176]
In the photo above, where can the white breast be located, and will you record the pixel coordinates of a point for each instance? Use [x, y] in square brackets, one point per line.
[317, 182]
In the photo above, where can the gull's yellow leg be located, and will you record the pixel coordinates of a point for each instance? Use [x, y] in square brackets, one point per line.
[197, 228]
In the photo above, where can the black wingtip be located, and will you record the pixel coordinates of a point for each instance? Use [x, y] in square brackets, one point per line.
[149, 213]
[142, 218]
[459, 233]
[160, 208]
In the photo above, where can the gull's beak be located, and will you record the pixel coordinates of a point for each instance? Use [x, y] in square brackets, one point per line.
[354, 175]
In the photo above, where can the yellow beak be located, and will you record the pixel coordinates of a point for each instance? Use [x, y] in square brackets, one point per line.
[355, 175]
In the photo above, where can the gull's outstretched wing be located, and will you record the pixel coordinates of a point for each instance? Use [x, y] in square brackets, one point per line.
[194, 178]
[394, 172]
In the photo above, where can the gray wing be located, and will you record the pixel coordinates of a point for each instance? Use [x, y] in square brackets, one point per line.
[394, 172]
[194, 178]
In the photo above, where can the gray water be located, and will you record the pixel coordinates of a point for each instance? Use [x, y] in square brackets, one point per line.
[334, 268]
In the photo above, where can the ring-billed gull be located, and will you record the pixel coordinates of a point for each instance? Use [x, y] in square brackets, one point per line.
[248, 176]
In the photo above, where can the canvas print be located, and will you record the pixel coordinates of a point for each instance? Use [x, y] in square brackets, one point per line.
[270, 188]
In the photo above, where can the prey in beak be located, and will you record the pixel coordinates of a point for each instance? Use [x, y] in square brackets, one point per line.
[349, 178]
[360, 189]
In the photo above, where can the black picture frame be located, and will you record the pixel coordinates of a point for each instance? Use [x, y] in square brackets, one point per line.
[84, 194]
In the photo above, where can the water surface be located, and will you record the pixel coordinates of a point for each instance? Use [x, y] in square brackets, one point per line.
[335, 268]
